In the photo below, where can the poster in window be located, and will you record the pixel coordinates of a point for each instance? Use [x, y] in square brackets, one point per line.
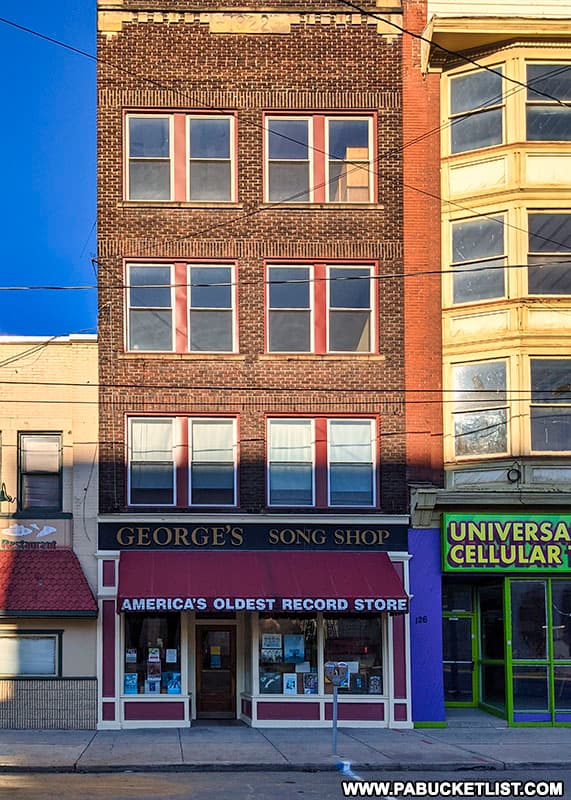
[215, 657]
[271, 641]
[153, 686]
[131, 683]
[358, 683]
[171, 682]
[352, 666]
[271, 683]
[310, 682]
[131, 655]
[290, 683]
[154, 655]
[294, 648]
[269, 656]
[303, 667]
[153, 671]
[375, 684]
[171, 656]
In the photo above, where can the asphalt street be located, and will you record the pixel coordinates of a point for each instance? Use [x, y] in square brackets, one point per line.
[231, 785]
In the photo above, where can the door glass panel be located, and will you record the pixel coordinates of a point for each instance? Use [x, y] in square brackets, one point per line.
[529, 619]
[561, 608]
[458, 665]
[492, 622]
[493, 685]
[562, 687]
[456, 597]
[530, 688]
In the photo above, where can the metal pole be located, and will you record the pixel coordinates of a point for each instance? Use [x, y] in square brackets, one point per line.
[335, 720]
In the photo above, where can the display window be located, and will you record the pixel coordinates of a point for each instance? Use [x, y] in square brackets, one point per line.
[288, 655]
[357, 641]
[151, 657]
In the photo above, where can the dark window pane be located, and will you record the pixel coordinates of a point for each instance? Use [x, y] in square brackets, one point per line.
[530, 688]
[549, 274]
[456, 597]
[483, 129]
[211, 287]
[493, 685]
[149, 138]
[349, 288]
[210, 181]
[289, 331]
[550, 428]
[529, 619]
[347, 136]
[149, 180]
[549, 233]
[548, 123]
[553, 79]
[562, 688]
[478, 239]
[291, 484]
[349, 331]
[475, 90]
[351, 484]
[211, 331]
[492, 622]
[457, 639]
[561, 608]
[289, 182]
[289, 288]
[40, 491]
[551, 380]
[209, 138]
[212, 484]
[288, 139]
[150, 287]
[150, 330]
[478, 281]
[152, 482]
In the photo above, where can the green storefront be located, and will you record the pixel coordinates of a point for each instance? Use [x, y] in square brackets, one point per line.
[506, 595]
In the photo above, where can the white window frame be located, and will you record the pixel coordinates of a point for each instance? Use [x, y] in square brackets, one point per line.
[329, 310]
[170, 119]
[370, 156]
[232, 157]
[128, 306]
[311, 309]
[175, 445]
[311, 421]
[310, 153]
[57, 506]
[373, 433]
[56, 636]
[191, 421]
[234, 327]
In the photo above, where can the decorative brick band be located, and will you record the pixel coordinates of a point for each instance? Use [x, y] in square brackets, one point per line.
[49, 704]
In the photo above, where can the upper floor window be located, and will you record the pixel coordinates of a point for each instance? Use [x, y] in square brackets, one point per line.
[182, 157]
[546, 119]
[478, 259]
[550, 410]
[549, 253]
[182, 461]
[320, 308]
[476, 110]
[319, 159]
[40, 472]
[480, 408]
[321, 462]
[181, 307]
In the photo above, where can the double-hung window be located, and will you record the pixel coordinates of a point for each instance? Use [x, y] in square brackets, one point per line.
[480, 408]
[187, 308]
[549, 254]
[321, 462]
[319, 159]
[40, 472]
[548, 120]
[320, 308]
[180, 157]
[30, 655]
[476, 110]
[182, 461]
[550, 412]
[478, 259]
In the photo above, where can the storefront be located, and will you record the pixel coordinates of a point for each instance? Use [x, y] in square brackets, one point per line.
[506, 600]
[219, 620]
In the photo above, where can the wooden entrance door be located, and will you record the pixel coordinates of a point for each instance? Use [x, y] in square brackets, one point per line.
[216, 672]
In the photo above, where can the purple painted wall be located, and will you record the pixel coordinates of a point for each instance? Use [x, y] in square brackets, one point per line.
[426, 626]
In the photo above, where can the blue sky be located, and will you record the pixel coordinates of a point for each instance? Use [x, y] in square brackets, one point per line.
[48, 202]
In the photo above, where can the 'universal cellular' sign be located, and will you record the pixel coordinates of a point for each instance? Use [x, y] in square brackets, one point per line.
[488, 543]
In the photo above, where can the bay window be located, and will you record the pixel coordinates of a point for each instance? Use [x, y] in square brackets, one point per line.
[480, 408]
[546, 119]
[478, 259]
[549, 253]
[321, 462]
[550, 412]
[476, 110]
[319, 159]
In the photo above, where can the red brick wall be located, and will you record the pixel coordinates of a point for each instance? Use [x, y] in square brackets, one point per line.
[315, 67]
[423, 340]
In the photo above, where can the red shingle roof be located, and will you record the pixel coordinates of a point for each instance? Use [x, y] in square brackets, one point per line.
[44, 582]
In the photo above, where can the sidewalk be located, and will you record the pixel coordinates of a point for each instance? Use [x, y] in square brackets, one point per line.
[239, 748]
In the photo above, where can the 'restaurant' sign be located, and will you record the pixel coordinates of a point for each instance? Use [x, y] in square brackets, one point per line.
[488, 543]
[252, 536]
[291, 604]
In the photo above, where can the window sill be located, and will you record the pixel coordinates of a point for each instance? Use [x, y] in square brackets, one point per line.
[36, 514]
[285, 206]
[170, 204]
[321, 357]
[154, 355]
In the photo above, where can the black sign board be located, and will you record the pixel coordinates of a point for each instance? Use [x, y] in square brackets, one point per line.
[360, 536]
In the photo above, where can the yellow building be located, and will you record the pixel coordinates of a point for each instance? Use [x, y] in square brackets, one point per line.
[48, 533]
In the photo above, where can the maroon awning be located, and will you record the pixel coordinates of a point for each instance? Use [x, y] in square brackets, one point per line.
[259, 581]
[38, 583]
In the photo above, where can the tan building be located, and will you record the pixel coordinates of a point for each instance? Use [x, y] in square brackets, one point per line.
[48, 506]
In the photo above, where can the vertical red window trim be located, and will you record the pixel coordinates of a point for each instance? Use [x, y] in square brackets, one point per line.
[181, 307]
[182, 457]
[320, 292]
[374, 160]
[321, 478]
[318, 178]
[179, 155]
